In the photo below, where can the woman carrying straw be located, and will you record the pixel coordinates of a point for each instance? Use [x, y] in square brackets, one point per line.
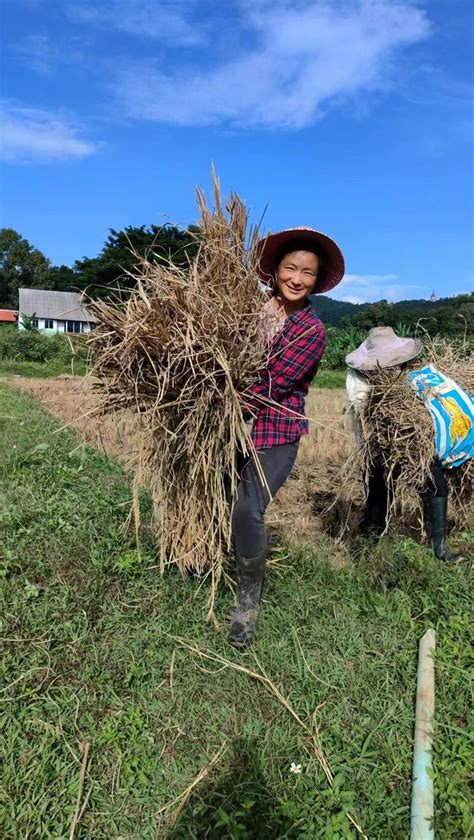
[293, 264]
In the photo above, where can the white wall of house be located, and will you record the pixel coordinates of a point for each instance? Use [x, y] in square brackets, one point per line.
[50, 326]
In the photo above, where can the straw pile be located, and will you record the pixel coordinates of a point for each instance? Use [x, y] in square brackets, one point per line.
[399, 430]
[177, 352]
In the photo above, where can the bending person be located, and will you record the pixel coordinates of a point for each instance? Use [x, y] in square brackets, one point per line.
[453, 435]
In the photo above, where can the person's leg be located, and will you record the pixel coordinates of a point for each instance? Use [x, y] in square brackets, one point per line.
[240, 462]
[375, 514]
[435, 504]
[250, 539]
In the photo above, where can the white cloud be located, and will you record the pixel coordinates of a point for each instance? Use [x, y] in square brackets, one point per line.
[303, 59]
[367, 288]
[46, 55]
[38, 52]
[33, 134]
[140, 18]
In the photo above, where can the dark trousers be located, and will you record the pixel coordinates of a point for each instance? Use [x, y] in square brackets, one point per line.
[248, 514]
[437, 484]
[378, 493]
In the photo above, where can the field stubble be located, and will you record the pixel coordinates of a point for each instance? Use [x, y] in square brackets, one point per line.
[101, 651]
[311, 501]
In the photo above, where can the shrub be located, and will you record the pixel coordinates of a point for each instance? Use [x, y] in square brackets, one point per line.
[33, 346]
[339, 344]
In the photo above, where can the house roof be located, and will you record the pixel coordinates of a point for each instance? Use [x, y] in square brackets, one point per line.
[62, 306]
[8, 315]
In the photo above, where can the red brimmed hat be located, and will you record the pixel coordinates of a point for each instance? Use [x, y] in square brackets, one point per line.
[332, 269]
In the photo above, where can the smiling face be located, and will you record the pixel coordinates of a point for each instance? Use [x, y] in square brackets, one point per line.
[296, 277]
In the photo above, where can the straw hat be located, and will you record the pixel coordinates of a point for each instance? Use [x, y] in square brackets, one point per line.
[383, 348]
[332, 268]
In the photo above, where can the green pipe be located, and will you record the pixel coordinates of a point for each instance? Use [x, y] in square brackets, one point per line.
[422, 800]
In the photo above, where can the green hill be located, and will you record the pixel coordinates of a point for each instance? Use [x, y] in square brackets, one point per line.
[447, 316]
[333, 312]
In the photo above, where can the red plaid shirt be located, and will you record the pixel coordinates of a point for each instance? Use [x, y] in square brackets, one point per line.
[277, 399]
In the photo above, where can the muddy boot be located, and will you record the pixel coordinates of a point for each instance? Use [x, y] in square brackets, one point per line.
[436, 508]
[250, 574]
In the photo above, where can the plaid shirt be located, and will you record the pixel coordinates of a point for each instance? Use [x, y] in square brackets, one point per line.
[277, 399]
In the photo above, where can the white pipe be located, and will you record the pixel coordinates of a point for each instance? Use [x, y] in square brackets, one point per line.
[422, 801]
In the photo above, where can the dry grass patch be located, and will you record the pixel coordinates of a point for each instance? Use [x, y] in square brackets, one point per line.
[306, 504]
[317, 497]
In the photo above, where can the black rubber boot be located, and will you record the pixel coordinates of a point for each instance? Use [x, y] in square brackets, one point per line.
[374, 521]
[436, 509]
[250, 574]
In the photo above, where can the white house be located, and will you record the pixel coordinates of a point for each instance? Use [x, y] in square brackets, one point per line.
[54, 311]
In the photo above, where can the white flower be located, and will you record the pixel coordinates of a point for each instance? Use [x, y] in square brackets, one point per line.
[295, 768]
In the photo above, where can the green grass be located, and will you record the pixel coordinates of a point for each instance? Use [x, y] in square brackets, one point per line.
[330, 379]
[88, 629]
[56, 367]
[324, 379]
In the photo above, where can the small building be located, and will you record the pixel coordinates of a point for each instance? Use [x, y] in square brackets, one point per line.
[54, 312]
[433, 297]
[8, 316]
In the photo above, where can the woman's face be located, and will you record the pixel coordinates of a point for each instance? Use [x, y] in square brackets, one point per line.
[296, 276]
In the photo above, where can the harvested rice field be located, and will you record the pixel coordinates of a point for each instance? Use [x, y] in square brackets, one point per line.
[126, 715]
[322, 494]
[304, 506]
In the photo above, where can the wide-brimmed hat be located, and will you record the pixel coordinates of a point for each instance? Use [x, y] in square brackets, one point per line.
[332, 269]
[383, 348]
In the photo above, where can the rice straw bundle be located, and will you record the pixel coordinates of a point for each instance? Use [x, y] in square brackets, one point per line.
[177, 353]
[398, 429]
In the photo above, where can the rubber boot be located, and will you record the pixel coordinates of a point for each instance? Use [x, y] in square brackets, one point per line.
[436, 509]
[374, 521]
[250, 574]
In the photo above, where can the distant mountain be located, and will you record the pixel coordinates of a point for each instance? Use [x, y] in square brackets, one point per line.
[339, 313]
[333, 311]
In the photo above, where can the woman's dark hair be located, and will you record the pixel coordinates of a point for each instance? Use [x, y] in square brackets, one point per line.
[299, 245]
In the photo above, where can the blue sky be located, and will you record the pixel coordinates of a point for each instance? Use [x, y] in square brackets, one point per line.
[352, 117]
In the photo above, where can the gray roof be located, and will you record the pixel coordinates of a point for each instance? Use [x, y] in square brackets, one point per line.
[62, 306]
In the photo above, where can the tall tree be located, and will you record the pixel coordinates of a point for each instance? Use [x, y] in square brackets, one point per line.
[21, 266]
[62, 278]
[374, 315]
[110, 268]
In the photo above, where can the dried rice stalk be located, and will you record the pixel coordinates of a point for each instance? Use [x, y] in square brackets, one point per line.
[177, 353]
[398, 428]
